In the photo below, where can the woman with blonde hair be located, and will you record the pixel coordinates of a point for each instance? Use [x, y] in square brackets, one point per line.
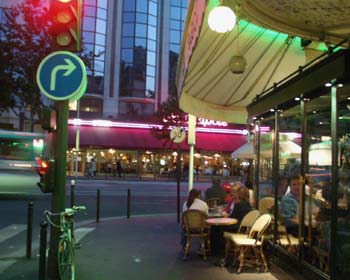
[241, 208]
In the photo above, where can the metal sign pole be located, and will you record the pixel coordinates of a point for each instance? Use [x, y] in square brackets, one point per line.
[178, 178]
[58, 200]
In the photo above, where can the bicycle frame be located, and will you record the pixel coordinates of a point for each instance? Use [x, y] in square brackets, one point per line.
[66, 244]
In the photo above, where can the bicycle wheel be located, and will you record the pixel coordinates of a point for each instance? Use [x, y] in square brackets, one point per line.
[66, 265]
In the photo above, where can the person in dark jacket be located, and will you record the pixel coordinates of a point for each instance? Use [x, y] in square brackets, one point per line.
[241, 208]
[215, 191]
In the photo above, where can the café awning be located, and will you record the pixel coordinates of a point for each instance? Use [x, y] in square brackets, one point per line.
[287, 149]
[206, 86]
[142, 139]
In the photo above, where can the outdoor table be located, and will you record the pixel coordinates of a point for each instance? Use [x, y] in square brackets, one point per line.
[221, 221]
[215, 213]
[217, 243]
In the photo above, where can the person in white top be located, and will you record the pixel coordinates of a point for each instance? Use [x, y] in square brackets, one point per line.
[195, 203]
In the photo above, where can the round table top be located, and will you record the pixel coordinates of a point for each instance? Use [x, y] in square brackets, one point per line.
[221, 221]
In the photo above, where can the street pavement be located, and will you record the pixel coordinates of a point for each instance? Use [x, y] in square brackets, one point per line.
[142, 247]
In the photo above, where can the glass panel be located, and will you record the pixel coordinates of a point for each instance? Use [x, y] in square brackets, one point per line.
[141, 6]
[151, 58]
[140, 43]
[151, 71]
[175, 24]
[129, 5]
[128, 17]
[100, 52]
[152, 20]
[101, 26]
[99, 65]
[103, 4]
[152, 32]
[141, 18]
[290, 169]
[317, 223]
[127, 55]
[175, 2]
[342, 242]
[183, 14]
[89, 24]
[102, 13]
[127, 42]
[90, 2]
[153, 8]
[174, 37]
[175, 13]
[141, 30]
[175, 48]
[100, 39]
[128, 29]
[151, 45]
[89, 11]
[88, 37]
[265, 167]
[150, 83]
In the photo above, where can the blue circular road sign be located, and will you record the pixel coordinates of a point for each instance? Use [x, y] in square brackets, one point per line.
[61, 76]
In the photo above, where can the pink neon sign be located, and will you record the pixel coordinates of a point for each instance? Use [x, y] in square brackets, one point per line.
[206, 122]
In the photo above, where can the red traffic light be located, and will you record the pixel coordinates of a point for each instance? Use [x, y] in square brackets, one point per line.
[43, 166]
[66, 24]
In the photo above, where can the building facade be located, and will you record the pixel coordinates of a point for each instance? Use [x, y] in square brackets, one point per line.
[134, 45]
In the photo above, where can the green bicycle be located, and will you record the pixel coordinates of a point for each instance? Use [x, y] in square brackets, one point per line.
[66, 244]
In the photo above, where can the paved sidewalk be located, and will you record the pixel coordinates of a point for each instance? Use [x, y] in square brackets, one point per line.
[142, 247]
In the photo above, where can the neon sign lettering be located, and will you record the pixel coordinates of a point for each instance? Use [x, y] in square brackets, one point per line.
[206, 122]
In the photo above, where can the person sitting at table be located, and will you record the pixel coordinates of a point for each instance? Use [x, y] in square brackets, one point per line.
[231, 199]
[195, 203]
[215, 191]
[290, 205]
[241, 208]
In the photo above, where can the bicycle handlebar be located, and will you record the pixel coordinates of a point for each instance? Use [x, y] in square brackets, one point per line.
[67, 211]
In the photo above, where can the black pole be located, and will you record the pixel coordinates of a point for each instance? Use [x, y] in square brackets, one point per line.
[72, 193]
[178, 177]
[98, 207]
[42, 256]
[29, 230]
[128, 204]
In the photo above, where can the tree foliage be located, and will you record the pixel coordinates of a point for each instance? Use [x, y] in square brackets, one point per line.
[24, 43]
[169, 115]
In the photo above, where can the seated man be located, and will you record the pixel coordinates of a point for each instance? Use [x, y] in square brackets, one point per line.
[215, 191]
[290, 205]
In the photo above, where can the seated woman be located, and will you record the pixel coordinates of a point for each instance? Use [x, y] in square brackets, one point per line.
[195, 203]
[231, 199]
[241, 208]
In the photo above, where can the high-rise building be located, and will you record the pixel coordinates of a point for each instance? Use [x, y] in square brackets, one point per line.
[135, 45]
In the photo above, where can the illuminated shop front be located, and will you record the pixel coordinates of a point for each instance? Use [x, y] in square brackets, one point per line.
[311, 110]
[141, 154]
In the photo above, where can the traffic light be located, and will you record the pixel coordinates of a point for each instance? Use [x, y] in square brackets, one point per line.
[46, 170]
[66, 24]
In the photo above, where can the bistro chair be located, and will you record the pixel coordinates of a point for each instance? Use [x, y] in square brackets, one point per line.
[266, 204]
[244, 228]
[287, 240]
[194, 226]
[252, 242]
